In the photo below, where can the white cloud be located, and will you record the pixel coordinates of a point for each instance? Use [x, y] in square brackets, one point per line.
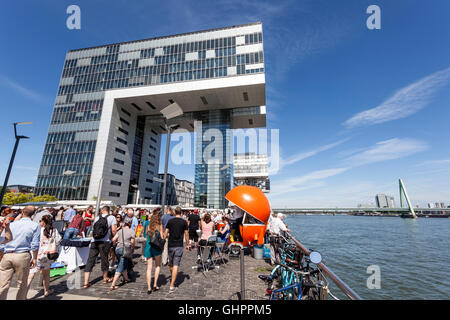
[434, 162]
[343, 194]
[304, 155]
[30, 94]
[404, 102]
[296, 184]
[388, 150]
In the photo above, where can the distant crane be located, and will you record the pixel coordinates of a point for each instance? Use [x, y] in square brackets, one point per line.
[403, 192]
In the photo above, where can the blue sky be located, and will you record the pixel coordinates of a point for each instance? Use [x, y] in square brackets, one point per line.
[356, 108]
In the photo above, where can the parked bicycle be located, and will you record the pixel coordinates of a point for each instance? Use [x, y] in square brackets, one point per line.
[293, 277]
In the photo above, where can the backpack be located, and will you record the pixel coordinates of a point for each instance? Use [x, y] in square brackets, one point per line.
[100, 228]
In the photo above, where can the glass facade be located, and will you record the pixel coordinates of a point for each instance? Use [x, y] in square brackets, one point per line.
[136, 160]
[213, 180]
[88, 73]
[169, 64]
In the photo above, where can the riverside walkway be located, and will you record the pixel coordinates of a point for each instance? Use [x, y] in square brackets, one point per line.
[219, 284]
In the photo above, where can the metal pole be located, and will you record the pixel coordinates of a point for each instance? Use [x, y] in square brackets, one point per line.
[163, 200]
[137, 196]
[97, 205]
[5, 183]
[242, 271]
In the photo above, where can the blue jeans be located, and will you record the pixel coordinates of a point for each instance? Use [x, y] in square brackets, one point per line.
[123, 262]
[71, 233]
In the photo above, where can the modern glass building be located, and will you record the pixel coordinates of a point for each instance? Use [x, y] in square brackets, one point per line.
[252, 169]
[107, 123]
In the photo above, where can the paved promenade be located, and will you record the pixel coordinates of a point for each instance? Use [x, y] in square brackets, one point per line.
[221, 283]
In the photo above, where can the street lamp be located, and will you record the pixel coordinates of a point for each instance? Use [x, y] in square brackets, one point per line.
[171, 111]
[5, 184]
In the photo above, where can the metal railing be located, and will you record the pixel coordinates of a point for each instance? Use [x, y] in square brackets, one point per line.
[340, 283]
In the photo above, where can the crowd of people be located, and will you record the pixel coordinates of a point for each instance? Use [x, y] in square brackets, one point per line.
[28, 241]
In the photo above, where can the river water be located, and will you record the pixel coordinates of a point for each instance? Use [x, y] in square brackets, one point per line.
[413, 255]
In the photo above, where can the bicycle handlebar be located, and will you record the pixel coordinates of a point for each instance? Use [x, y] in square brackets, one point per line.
[305, 273]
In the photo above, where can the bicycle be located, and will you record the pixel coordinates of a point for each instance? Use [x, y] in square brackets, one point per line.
[297, 290]
[298, 279]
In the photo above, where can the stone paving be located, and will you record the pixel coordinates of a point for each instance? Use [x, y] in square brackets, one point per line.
[222, 283]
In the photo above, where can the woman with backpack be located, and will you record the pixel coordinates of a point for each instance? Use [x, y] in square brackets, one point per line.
[152, 252]
[104, 228]
[47, 253]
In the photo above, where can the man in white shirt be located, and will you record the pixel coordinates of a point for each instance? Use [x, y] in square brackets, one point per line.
[132, 215]
[101, 246]
[277, 225]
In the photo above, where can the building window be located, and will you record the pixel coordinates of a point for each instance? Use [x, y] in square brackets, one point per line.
[120, 151]
[150, 105]
[154, 132]
[151, 138]
[136, 106]
[121, 140]
[149, 180]
[124, 121]
[116, 183]
[126, 112]
[114, 194]
[149, 189]
[118, 172]
[123, 130]
[119, 161]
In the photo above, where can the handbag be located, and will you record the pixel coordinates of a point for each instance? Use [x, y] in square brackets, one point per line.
[156, 241]
[52, 247]
[127, 250]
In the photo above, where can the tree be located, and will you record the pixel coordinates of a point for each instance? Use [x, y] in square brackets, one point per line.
[17, 198]
[44, 198]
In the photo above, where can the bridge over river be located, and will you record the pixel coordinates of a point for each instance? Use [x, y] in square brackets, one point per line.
[406, 212]
[369, 211]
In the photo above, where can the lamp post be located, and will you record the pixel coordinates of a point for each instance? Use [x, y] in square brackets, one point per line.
[5, 183]
[171, 111]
